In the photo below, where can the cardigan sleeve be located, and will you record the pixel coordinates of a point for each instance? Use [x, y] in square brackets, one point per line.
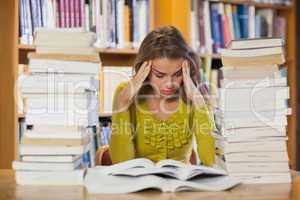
[121, 146]
[202, 126]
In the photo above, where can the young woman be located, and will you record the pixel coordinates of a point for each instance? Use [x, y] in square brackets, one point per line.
[157, 113]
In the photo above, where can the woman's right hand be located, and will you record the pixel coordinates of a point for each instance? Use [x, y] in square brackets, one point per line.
[127, 95]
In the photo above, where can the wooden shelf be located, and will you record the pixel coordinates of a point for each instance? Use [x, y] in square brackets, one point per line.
[127, 51]
[26, 47]
[100, 50]
[116, 51]
[256, 4]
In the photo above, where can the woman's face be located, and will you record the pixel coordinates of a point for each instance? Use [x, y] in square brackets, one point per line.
[166, 76]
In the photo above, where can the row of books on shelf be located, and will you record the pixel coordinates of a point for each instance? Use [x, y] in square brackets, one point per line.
[280, 2]
[117, 23]
[215, 24]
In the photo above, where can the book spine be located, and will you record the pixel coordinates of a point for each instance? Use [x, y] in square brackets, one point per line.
[30, 22]
[216, 32]
[39, 13]
[226, 31]
[242, 11]
[56, 13]
[62, 13]
[201, 27]
[67, 13]
[82, 13]
[135, 23]
[126, 23]
[120, 16]
[34, 15]
[236, 23]
[72, 13]
[77, 15]
[87, 18]
[22, 33]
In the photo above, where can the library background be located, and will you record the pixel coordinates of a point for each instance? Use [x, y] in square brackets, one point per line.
[104, 37]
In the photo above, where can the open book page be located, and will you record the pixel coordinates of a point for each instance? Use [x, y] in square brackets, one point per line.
[134, 163]
[218, 183]
[170, 168]
[98, 181]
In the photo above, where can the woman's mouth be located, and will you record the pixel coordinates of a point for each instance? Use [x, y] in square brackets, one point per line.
[168, 91]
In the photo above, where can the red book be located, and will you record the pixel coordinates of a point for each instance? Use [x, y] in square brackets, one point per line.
[62, 13]
[67, 13]
[226, 31]
[201, 27]
[57, 22]
[72, 11]
[82, 13]
[77, 10]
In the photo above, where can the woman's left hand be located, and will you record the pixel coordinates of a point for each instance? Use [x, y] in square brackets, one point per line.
[190, 88]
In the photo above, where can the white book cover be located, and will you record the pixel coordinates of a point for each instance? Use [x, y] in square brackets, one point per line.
[265, 131]
[56, 132]
[249, 123]
[263, 178]
[52, 159]
[58, 83]
[265, 156]
[252, 115]
[253, 99]
[254, 83]
[120, 24]
[58, 66]
[53, 150]
[207, 25]
[255, 146]
[46, 166]
[254, 167]
[57, 178]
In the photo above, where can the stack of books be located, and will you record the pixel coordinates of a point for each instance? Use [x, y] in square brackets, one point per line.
[62, 99]
[252, 112]
[61, 41]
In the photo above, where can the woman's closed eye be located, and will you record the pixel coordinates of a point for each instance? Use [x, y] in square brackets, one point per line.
[178, 74]
[159, 75]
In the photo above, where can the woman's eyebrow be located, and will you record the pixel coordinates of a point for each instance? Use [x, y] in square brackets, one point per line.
[166, 73]
[158, 71]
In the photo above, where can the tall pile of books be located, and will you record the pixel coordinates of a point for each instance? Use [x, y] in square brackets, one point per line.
[62, 97]
[252, 112]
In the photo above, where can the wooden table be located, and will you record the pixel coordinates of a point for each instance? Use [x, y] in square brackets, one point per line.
[9, 190]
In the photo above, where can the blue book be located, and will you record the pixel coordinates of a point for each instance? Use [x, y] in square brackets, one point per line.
[114, 25]
[216, 32]
[257, 26]
[106, 135]
[221, 28]
[242, 11]
[135, 23]
[34, 14]
[86, 159]
[22, 17]
[236, 26]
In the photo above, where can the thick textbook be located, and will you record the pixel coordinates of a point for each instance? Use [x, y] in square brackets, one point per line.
[133, 176]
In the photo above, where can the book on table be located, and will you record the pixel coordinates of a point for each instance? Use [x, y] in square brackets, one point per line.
[166, 175]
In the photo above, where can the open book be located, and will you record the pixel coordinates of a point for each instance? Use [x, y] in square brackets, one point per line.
[166, 175]
[171, 168]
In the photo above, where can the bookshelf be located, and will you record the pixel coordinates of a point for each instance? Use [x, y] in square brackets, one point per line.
[166, 12]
